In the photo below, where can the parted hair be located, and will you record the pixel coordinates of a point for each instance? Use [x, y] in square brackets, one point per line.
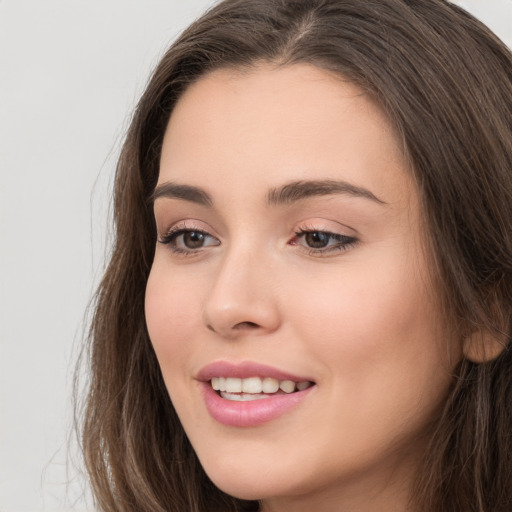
[445, 82]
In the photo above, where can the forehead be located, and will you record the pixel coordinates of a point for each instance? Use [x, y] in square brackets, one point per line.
[268, 125]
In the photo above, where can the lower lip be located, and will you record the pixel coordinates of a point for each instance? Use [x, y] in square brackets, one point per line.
[251, 413]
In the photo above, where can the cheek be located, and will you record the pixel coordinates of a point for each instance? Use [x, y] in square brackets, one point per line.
[383, 367]
[362, 310]
[172, 306]
[374, 332]
[172, 312]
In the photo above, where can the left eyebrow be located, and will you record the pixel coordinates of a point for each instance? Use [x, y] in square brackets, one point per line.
[184, 192]
[299, 190]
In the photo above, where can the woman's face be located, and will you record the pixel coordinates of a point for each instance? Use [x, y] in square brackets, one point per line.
[290, 254]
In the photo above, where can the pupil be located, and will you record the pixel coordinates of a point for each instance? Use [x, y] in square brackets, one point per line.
[317, 239]
[193, 239]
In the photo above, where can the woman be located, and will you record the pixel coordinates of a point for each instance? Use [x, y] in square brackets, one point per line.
[308, 302]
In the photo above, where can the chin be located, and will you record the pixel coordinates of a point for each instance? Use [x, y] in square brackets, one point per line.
[247, 483]
[245, 486]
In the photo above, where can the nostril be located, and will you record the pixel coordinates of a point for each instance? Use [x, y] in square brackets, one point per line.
[239, 327]
[246, 325]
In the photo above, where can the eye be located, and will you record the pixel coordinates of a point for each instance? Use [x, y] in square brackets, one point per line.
[317, 239]
[188, 240]
[322, 242]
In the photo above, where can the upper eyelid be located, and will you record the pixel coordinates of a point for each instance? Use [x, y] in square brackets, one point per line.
[333, 234]
[180, 230]
[321, 226]
[188, 225]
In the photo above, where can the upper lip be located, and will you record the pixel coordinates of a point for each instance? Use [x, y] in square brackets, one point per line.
[245, 370]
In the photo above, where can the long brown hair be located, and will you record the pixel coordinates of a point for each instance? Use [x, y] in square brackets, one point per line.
[445, 81]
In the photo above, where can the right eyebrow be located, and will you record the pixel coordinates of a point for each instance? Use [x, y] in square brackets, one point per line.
[300, 190]
[185, 192]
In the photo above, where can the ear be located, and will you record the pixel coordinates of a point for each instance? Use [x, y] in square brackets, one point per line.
[482, 346]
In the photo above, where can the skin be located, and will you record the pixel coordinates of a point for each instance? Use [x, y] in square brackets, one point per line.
[360, 320]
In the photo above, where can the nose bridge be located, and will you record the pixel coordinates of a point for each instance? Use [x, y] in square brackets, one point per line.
[241, 296]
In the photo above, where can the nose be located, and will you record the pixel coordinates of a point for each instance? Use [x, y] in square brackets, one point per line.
[243, 297]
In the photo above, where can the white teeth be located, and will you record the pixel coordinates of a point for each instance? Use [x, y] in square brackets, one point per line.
[233, 385]
[288, 386]
[242, 397]
[256, 385]
[252, 385]
[219, 383]
[270, 385]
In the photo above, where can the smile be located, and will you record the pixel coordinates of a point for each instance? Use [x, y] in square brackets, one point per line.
[255, 388]
[249, 394]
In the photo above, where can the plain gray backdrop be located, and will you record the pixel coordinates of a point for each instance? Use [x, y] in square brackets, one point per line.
[71, 72]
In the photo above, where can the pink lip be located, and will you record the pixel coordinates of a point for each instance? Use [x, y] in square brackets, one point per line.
[252, 413]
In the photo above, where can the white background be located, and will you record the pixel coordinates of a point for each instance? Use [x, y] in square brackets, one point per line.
[70, 73]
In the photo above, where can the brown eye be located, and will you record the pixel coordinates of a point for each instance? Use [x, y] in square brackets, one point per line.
[317, 239]
[188, 240]
[193, 239]
[323, 243]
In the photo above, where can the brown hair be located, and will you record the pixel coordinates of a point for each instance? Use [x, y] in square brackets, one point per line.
[445, 81]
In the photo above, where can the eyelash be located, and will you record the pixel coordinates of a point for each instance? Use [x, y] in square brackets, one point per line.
[343, 242]
[171, 237]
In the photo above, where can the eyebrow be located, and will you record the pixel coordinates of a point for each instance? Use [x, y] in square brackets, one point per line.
[184, 192]
[298, 190]
[288, 193]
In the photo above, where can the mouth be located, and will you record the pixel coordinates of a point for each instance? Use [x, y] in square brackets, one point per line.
[250, 394]
[255, 388]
